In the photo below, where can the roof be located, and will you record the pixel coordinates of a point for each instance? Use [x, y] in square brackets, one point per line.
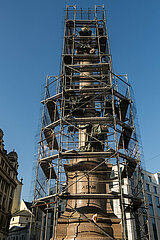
[17, 228]
[22, 213]
[28, 205]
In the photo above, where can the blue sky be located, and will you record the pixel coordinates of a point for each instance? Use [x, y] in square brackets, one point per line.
[31, 46]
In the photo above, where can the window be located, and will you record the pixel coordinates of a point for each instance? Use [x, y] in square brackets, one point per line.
[5, 167]
[2, 163]
[145, 224]
[141, 194]
[110, 185]
[158, 206]
[154, 229]
[4, 222]
[3, 184]
[150, 199]
[157, 201]
[122, 181]
[126, 228]
[4, 203]
[151, 210]
[6, 188]
[112, 205]
[150, 179]
[147, 187]
[155, 189]
[150, 205]
[143, 209]
[12, 191]
[140, 190]
[1, 220]
[140, 185]
[10, 205]
[112, 173]
[133, 188]
[22, 237]
[159, 180]
[158, 211]
[0, 184]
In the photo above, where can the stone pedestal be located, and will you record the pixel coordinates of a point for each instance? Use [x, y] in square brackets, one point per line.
[72, 224]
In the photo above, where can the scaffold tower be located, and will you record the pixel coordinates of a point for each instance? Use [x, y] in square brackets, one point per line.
[88, 143]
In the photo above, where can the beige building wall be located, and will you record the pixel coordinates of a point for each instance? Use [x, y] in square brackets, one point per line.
[22, 216]
[17, 196]
[22, 220]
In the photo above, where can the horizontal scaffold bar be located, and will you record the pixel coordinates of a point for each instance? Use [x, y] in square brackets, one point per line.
[52, 98]
[53, 124]
[110, 195]
[90, 91]
[90, 196]
[89, 67]
[80, 23]
[93, 77]
[108, 119]
[74, 154]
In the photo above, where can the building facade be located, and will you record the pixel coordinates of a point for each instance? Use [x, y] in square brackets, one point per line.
[20, 222]
[148, 218]
[17, 196]
[8, 179]
[19, 233]
[152, 194]
[22, 216]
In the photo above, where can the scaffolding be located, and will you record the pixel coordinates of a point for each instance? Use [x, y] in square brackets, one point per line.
[88, 143]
